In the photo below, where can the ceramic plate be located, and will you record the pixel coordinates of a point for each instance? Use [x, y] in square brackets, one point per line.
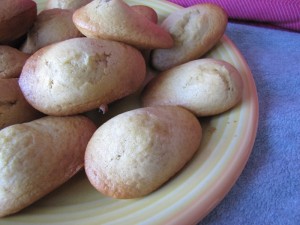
[227, 142]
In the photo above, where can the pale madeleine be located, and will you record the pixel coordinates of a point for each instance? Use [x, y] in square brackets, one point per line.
[206, 87]
[195, 30]
[66, 4]
[39, 156]
[146, 11]
[51, 26]
[81, 74]
[136, 152]
[13, 106]
[115, 20]
[11, 61]
[16, 17]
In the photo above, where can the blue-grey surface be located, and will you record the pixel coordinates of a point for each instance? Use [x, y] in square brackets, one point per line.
[268, 190]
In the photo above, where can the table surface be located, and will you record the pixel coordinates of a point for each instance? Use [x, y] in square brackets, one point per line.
[268, 190]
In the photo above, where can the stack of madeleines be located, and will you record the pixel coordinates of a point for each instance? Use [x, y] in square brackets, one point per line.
[76, 56]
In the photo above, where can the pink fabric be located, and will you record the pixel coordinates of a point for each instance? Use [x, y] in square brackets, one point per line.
[281, 13]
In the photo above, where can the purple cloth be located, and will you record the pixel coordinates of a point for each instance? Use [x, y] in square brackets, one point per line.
[268, 190]
[281, 13]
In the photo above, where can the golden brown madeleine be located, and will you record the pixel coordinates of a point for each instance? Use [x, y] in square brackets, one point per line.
[17, 16]
[146, 11]
[51, 26]
[195, 31]
[81, 74]
[39, 156]
[205, 87]
[66, 4]
[115, 20]
[136, 152]
[11, 61]
[13, 106]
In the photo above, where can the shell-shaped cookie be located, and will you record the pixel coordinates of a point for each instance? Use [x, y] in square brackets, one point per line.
[66, 4]
[13, 106]
[16, 17]
[115, 20]
[11, 61]
[195, 31]
[136, 152]
[206, 87]
[51, 26]
[146, 11]
[81, 74]
[39, 156]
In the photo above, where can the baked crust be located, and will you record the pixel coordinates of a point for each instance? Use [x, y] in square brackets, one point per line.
[51, 26]
[136, 152]
[81, 74]
[16, 17]
[206, 87]
[13, 106]
[195, 31]
[11, 61]
[66, 4]
[115, 20]
[39, 156]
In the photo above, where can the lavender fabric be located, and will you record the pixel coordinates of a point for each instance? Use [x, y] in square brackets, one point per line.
[268, 190]
[281, 13]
